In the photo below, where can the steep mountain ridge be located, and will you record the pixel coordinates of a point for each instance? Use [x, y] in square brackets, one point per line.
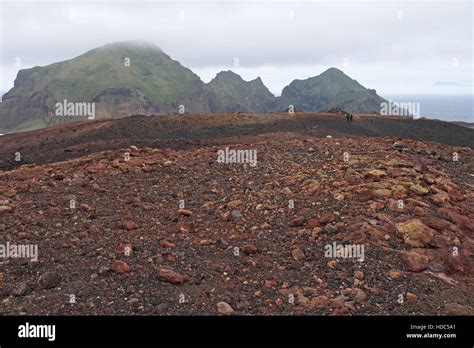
[230, 93]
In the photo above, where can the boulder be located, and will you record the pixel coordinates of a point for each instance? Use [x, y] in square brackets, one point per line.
[415, 233]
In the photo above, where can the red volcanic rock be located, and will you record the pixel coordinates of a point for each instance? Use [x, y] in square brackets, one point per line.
[415, 233]
[5, 209]
[297, 222]
[129, 225]
[456, 217]
[167, 244]
[297, 254]
[121, 267]
[249, 249]
[377, 201]
[414, 261]
[170, 276]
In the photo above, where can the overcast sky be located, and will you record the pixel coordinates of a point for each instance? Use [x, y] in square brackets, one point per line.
[417, 47]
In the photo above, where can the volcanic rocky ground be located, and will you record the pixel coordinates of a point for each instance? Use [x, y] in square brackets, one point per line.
[402, 189]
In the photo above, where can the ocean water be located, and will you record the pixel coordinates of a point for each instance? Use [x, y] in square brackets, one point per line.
[441, 107]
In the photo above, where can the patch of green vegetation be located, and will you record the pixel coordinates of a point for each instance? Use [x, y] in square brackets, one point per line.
[330, 89]
[31, 124]
[230, 92]
[150, 70]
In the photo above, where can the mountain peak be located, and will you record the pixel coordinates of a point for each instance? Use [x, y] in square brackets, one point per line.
[334, 73]
[131, 45]
[333, 70]
[129, 48]
[258, 80]
[230, 92]
[328, 90]
[228, 74]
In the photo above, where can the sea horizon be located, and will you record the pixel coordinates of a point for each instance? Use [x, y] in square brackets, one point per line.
[452, 108]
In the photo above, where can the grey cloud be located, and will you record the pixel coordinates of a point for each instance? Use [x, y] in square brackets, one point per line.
[206, 34]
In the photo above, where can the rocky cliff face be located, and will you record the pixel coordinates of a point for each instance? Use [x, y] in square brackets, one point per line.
[114, 102]
[25, 103]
